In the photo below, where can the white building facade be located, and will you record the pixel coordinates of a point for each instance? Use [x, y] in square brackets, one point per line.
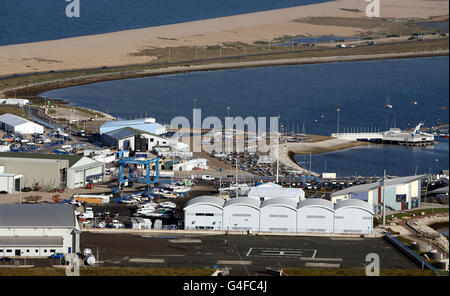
[278, 215]
[316, 216]
[38, 230]
[353, 216]
[241, 214]
[14, 124]
[204, 212]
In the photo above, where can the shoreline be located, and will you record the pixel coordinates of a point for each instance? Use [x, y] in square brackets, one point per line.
[287, 154]
[338, 18]
[33, 91]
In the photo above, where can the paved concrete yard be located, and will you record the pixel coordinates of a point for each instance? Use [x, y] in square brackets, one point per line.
[244, 254]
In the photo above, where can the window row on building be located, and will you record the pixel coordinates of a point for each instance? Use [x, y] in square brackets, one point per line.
[279, 215]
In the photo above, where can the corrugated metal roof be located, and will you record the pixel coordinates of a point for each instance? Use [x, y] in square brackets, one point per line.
[127, 132]
[280, 201]
[439, 190]
[212, 200]
[130, 122]
[242, 201]
[12, 120]
[353, 203]
[141, 124]
[316, 202]
[37, 215]
[73, 159]
[31, 241]
[121, 133]
[371, 186]
[274, 192]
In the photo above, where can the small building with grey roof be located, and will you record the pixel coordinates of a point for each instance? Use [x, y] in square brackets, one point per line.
[38, 230]
[11, 123]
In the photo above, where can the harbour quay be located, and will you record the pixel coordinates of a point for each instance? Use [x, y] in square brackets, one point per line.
[392, 136]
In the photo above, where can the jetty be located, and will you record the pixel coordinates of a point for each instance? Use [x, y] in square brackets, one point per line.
[392, 136]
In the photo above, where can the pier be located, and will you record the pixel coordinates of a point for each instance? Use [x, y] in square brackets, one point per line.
[392, 136]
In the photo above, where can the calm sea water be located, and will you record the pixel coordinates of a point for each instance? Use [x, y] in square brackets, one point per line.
[304, 96]
[37, 20]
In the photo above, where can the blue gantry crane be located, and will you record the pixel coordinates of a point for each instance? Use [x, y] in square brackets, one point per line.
[132, 163]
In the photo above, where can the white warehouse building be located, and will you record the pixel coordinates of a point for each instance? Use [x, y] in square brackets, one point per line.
[30, 230]
[204, 212]
[14, 124]
[315, 215]
[241, 214]
[279, 215]
[353, 216]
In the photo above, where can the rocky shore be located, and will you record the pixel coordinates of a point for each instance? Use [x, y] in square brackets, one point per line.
[421, 226]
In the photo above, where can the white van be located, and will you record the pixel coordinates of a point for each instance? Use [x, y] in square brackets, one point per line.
[207, 178]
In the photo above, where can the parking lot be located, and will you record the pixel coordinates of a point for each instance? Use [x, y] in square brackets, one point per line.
[246, 255]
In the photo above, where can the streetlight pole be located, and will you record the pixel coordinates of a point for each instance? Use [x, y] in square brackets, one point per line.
[338, 110]
[384, 203]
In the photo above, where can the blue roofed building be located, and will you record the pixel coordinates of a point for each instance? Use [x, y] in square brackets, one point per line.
[144, 124]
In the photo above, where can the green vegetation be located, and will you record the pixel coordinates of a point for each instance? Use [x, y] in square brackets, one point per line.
[13, 110]
[108, 271]
[409, 214]
[354, 272]
[404, 240]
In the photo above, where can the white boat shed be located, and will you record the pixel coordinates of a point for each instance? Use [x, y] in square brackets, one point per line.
[316, 215]
[278, 215]
[353, 216]
[14, 124]
[38, 230]
[241, 214]
[204, 212]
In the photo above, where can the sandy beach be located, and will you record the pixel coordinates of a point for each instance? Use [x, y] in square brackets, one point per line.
[119, 48]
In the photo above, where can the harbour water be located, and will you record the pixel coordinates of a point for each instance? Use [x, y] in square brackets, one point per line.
[38, 20]
[306, 98]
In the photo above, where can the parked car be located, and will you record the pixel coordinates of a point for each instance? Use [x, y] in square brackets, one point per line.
[6, 259]
[56, 256]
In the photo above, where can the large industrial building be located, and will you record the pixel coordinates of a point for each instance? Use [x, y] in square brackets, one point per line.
[11, 123]
[401, 193]
[138, 140]
[279, 215]
[52, 171]
[38, 230]
[145, 124]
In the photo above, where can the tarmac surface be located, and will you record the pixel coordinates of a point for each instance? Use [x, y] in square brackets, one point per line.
[245, 254]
